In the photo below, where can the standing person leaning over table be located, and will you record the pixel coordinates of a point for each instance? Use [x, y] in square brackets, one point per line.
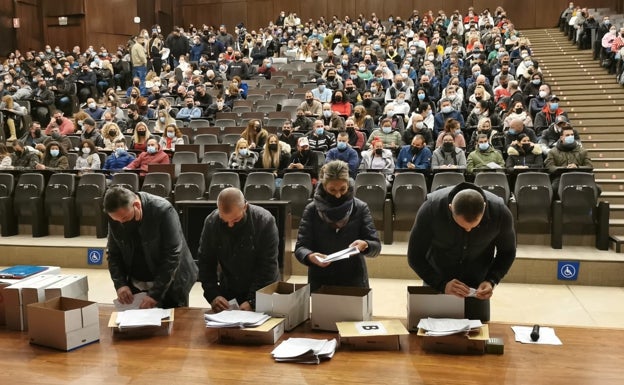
[336, 220]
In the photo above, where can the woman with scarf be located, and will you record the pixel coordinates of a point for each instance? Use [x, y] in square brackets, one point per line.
[334, 221]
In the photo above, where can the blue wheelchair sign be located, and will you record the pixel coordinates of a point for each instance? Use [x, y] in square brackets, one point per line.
[568, 270]
[95, 256]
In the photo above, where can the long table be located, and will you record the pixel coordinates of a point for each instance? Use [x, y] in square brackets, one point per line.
[192, 355]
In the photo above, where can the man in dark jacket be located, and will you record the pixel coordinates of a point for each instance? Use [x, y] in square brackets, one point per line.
[463, 243]
[242, 240]
[147, 251]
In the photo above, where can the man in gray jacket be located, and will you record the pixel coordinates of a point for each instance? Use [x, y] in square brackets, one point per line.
[242, 239]
[147, 251]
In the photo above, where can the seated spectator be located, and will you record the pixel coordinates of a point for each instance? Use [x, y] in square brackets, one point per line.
[484, 155]
[5, 158]
[396, 121]
[363, 121]
[304, 157]
[58, 138]
[394, 91]
[34, 135]
[65, 126]
[78, 120]
[311, 107]
[302, 123]
[341, 105]
[390, 138]
[134, 118]
[153, 154]
[372, 107]
[356, 137]
[54, 158]
[189, 111]
[548, 115]
[111, 133]
[93, 110]
[524, 154]
[242, 158]
[517, 111]
[516, 127]
[24, 157]
[274, 156]
[448, 155]
[452, 126]
[89, 158]
[446, 112]
[379, 158]
[12, 113]
[255, 135]
[216, 107]
[322, 93]
[415, 156]
[345, 153]
[140, 137]
[288, 139]
[566, 154]
[551, 136]
[172, 137]
[495, 137]
[90, 132]
[319, 139]
[331, 119]
[539, 101]
[119, 158]
[401, 105]
[483, 109]
[164, 120]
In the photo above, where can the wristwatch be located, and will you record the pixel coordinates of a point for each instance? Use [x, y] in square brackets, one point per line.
[491, 281]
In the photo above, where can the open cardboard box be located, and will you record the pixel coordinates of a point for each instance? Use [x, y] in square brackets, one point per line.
[290, 301]
[266, 334]
[165, 328]
[331, 304]
[372, 335]
[460, 343]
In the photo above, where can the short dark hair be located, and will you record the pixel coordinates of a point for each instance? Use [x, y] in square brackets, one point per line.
[468, 204]
[118, 197]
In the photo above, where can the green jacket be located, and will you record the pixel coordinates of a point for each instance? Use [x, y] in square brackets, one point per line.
[560, 156]
[480, 159]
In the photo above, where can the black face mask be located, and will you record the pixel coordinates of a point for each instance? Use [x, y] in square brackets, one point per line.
[378, 151]
[273, 147]
[367, 102]
[527, 148]
[19, 153]
[416, 150]
[141, 133]
[448, 147]
[310, 101]
[189, 105]
[285, 132]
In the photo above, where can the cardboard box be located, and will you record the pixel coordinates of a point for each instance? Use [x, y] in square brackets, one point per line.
[165, 328]
[331, 304]
[473, 343]
[285, 300]
[8, 282]
[72, 286]
[21, 294]
[425, 302]
[63, 323]
[266, 334]
[372, 335]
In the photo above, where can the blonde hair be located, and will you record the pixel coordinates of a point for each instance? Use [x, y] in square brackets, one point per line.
[107, 127]
[239, 143]
[269, 159]
[136, 138]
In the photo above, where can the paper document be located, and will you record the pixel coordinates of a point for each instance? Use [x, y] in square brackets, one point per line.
[235, 318]
[447, 326]
[142, 317]
[493, 165]
[304, 350]
[473, 292]
[547, 335]
[136, 302]
[233, 304]
[342, 254]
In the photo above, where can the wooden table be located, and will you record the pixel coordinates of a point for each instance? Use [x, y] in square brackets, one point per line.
[192, 355]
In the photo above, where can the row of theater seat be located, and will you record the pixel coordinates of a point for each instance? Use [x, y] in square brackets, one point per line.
[72, 201]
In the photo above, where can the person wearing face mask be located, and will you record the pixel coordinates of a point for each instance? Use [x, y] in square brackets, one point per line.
[189, 111]
[322, 93]
[550, 137]
[24, 157]
[86, 81]
[311, 107]
[242, 239]
[275, 155]
[54, 158]
[111, 133]
[89, 158]
[448, 155]
[242, 158]
[539, 101]
[93, 110]
[119, 158]
[524, 154]
[34, 135]
[417, 126]
[446, 112]
[255, 135]
[65, 126]
[147, 251]
[287, 138]
[336, 220]
[153, 154]
[172, 137]
[344, 152]
[390, 137]
[415, 155]
[516, 127]
[378, 158]
[140, 137]
[238, 67]
[484, 155]
[90, 132]
[331, 119]
[548, 115]
[319, 138]
[567, 154]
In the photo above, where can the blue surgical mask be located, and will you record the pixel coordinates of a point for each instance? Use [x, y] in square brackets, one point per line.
[54, 153]
[243, 152]
[151, 149]
[458, 132]
[321, 88]
[268, 65]
[120, 151]
[386, 129]
[327, 113]
[569, 139]
[476, 73]
[484, 146]
[536, 81]
[421, 97]
[170, 134]
[319, 131]
[447, 109]
[341, 146]
[554, 106]
[512, 131]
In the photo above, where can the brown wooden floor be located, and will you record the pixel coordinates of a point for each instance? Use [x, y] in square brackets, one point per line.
[191, 355]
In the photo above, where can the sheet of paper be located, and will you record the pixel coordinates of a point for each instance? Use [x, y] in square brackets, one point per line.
[342, 254]
[235, 318]
[233, 304]
[547, 335]
[136, 302]
[447, 326]
[142, 317]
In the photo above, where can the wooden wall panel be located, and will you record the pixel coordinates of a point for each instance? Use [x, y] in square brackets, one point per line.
[342, 8]
[286, 6]
[314, 9]
[259, 13]
[30, 34]
[201, 14]
[67, 36]
[233, 13]
[8, 33]
[394, 8]
[63, 8]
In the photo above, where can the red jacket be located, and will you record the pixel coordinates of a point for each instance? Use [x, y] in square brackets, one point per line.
[145, 158]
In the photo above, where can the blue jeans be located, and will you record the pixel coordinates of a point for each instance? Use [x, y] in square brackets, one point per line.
[140, 72]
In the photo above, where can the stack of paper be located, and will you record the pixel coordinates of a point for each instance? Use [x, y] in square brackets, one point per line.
[141, 317]
[235, 318]
[338, 255]
[304, 350]
[547, 335]
[447, 326]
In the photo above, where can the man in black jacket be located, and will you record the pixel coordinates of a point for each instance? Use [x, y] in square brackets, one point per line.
[242, 240]
[147, 251]
[463, 243]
